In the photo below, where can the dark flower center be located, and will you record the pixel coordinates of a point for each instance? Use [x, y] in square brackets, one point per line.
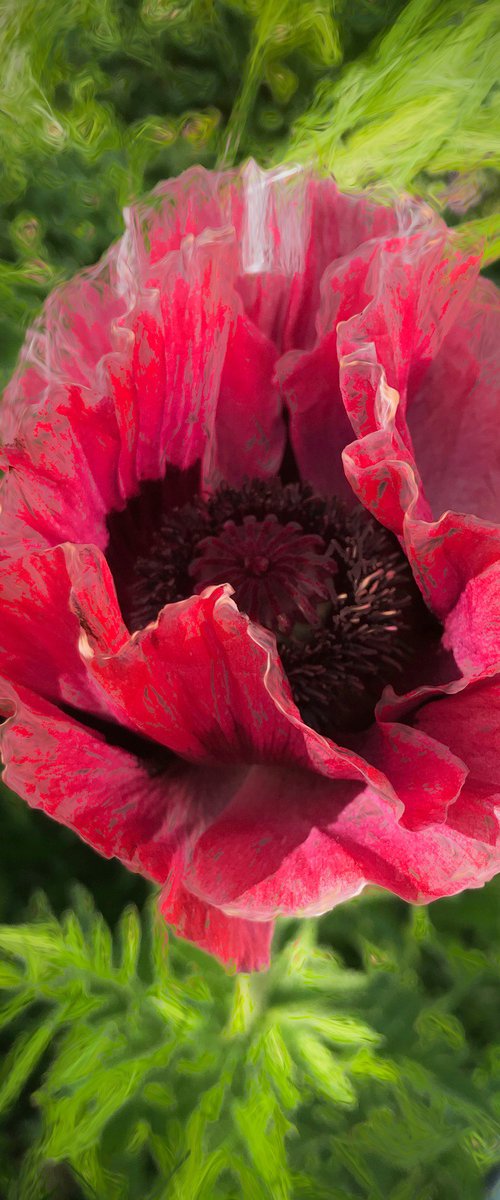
[329, 581]
[278, 572]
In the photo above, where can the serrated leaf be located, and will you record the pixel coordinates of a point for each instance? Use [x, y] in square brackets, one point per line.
[392, 112]
[101, 946]
[77, 1125]
[340, 1029]
[326, 1071]
[271, 1050]
[129, 936]
[30, 942]
[73, 935]
[263, 1127]
[18, 1004]
[22, 1059]
[11, 974]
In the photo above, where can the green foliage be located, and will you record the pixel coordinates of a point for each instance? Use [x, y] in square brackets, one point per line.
[116, 94]
[152, 1073]
[424, 97]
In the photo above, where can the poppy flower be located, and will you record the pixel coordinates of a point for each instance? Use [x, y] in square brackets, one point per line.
[250, 602]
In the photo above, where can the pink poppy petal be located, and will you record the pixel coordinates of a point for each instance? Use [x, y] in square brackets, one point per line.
[57, 395]
[48, 498]
[306, 843]
[248, 434]
[339, 224]
[437, 861]
[208, 684]
[262, 834]
[426, 777]
[192, 680]
[473, 625]
[272, 211]
[418, 285]
[370, 307]
[291, 226]
[197, 310]
[111, 800]
[239, 944]
[383, 476]
[101, 792]
[123, 373]
[67, 341]
[175, 209]
[454, 413]
[414, 774]
[200, 680]
[476, 815]
[40, 630]
[468, 723]
[142, 810]
[195, 681]
[298, 844]
[444, 554]
[319, 427]
[415, 289]
[463, 716]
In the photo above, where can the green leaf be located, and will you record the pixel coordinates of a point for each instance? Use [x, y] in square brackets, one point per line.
[327, 1073]
[263, 1128]
[22, 1059]
[413, 101]
[129, 938]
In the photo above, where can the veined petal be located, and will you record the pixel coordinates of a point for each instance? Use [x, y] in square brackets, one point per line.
[294, 844]
[239, 944]
[110, 797]
[40, 629]
[454, 412]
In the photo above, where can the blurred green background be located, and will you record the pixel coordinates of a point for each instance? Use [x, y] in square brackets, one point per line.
[367, 1063]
